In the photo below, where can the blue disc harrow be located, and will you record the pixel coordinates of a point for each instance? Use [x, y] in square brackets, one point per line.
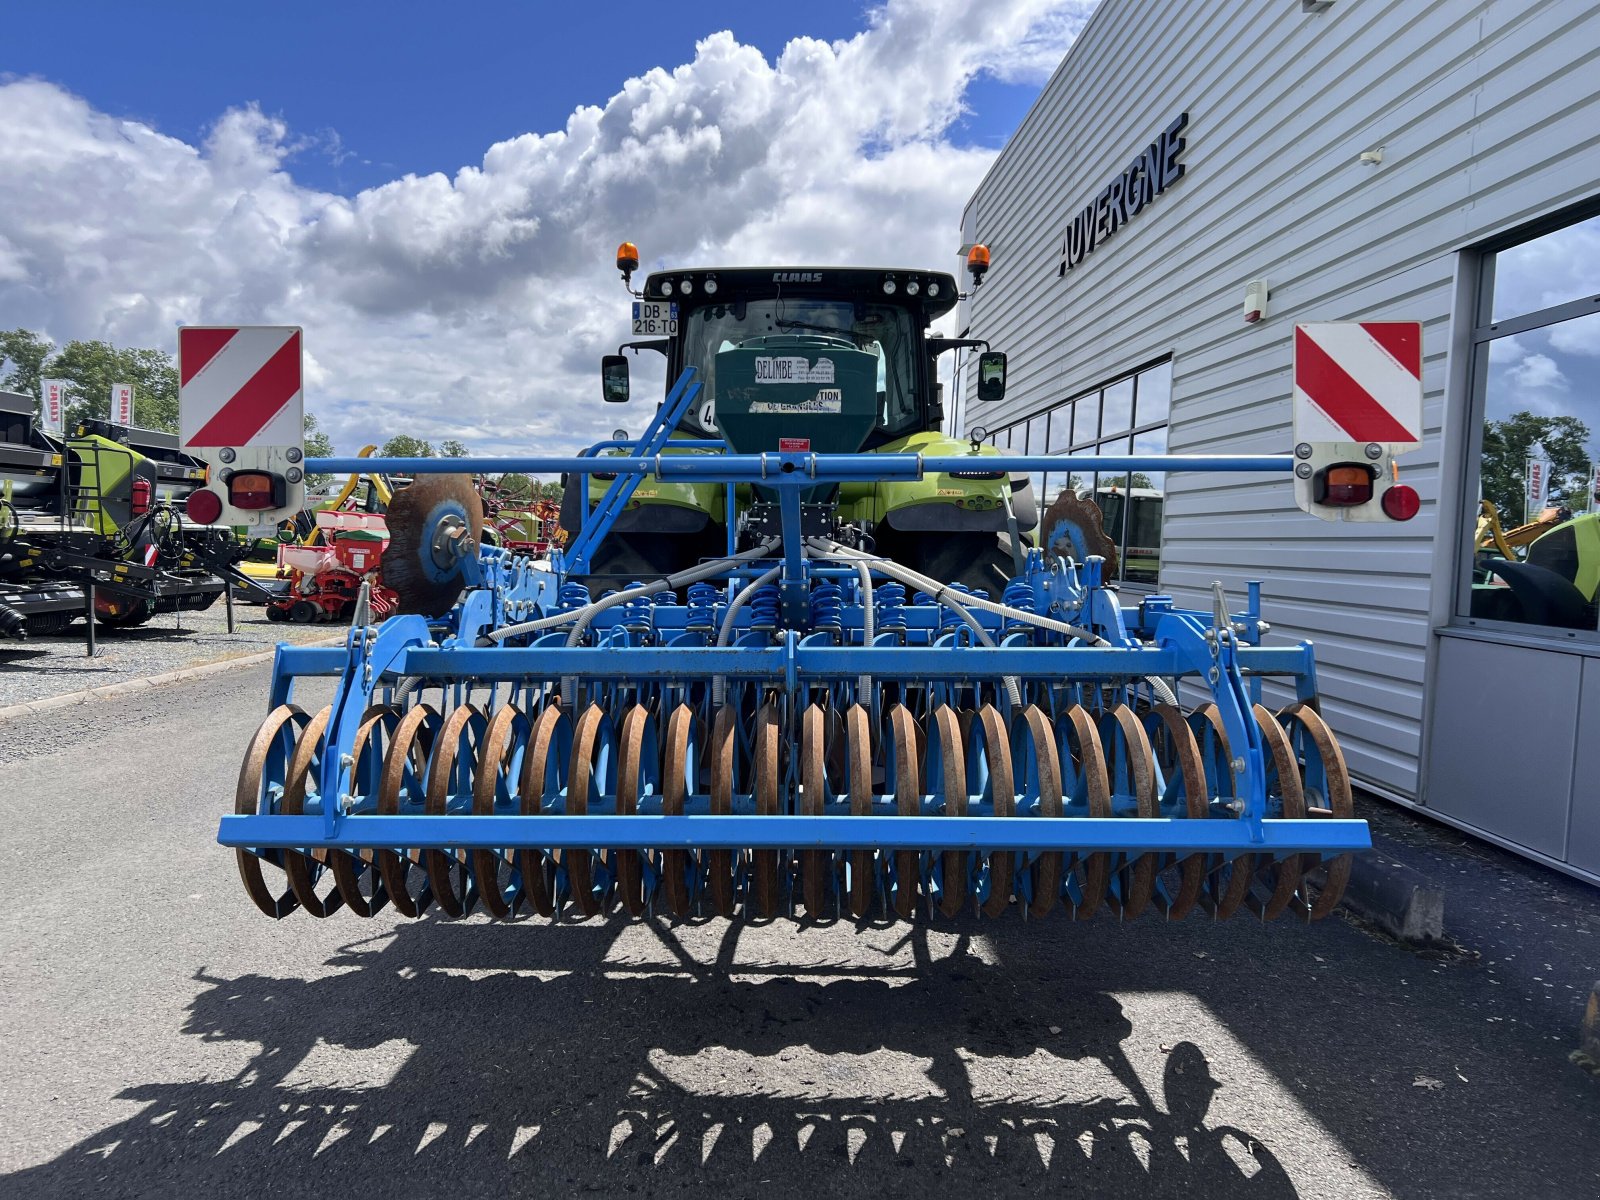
[800, 727]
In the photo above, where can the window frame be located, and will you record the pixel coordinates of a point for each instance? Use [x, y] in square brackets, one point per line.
[1483, 333]
[1090, 447]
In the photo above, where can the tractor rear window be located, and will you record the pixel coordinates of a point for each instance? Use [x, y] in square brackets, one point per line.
[880, 329]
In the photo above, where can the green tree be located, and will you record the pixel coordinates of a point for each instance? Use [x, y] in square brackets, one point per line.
[551, 491]
[318, 445]
[93, 366]
[1506, 447]
[403, 445]
[26, 352]
[515, 487]
[451, 448]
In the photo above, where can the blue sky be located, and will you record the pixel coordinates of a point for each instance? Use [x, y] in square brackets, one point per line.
[373, 91]
[434, 192]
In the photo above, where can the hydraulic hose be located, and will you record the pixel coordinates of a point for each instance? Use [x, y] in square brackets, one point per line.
[719, 684]
[587, 614]
[938, 590]
[13, 623]
[1159, 686]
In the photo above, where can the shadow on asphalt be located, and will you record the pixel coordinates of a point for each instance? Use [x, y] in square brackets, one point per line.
[664, 1075]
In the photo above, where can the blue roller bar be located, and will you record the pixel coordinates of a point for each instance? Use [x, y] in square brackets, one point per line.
[773, 469]
[1126, 835]
[883, 662]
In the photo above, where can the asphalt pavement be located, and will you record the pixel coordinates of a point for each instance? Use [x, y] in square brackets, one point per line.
[161, 1037]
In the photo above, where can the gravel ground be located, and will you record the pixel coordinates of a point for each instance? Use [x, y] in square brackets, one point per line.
[52, 666]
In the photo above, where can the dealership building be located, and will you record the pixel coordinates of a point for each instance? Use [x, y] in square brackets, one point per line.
[1198, 178]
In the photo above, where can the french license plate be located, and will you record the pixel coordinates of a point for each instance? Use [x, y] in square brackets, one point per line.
[655, 318]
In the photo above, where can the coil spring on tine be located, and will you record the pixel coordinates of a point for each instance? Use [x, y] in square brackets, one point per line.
[764, 607]
[1018, 594]
[889, 606]
[636, 613]
[703, 598]
[827, 606]
[572, 597]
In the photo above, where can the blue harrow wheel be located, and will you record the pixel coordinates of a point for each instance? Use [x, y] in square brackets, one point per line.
[678, 777]
[1038, 768]
[305, 869]
[1181, 794]
[1279, 878]
[500, 757]
[266, 759]
[449, 773]
[946, 772]
[544, 771]
[593, 776]
[404, 773]
[768, 872]
[1326, 783]
[638, 776]
[350, 869]
[1133, 792]
[818, 786]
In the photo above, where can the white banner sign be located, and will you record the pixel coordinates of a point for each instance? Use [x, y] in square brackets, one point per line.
[1538, 487]
[122, 404]
[53, 406]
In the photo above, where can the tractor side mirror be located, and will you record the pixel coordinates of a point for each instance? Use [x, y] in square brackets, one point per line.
[614, 378]
[991, 376]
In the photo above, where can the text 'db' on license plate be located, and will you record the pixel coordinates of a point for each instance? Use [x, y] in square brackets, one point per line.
[656, 318]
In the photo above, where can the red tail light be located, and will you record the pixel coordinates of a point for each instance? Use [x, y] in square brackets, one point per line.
[1344, 485]
[253, 490]
[139, 502]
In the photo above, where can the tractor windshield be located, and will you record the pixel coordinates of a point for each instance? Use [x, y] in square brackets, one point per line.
[880, 329]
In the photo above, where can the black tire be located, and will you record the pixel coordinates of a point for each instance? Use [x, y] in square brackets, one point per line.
[975, 559]
[276, 613]
[303, 612]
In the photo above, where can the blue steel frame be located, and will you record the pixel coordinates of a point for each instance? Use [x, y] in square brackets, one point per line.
[1218, 650]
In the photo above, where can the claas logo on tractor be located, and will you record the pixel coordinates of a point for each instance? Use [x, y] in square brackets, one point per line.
[241, 410]
[1357, 404]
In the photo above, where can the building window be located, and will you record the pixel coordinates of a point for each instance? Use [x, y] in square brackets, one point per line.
[1127, 415]
[1535, 537]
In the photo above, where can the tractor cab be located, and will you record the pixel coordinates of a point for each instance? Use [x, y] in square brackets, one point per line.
[825, 359]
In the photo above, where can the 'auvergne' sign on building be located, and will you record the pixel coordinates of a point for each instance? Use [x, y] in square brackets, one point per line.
[1156, 169]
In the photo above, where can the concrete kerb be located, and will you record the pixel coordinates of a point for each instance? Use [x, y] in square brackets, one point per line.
[1400, 900]
[1587, 1055]
[110, 691]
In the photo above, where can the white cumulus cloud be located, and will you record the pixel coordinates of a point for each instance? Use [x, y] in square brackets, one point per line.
[476, 305]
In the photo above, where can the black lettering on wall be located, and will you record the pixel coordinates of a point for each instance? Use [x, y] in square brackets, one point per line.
[1157, 167]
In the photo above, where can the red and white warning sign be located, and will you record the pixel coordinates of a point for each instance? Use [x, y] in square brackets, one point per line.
[1358, 381]
[240, 386]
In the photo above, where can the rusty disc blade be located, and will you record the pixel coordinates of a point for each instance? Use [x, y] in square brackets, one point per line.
[433, 525]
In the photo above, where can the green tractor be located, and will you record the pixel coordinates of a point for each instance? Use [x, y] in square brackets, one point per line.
[835, 359]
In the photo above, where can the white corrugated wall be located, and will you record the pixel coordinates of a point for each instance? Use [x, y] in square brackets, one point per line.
[1487, 115]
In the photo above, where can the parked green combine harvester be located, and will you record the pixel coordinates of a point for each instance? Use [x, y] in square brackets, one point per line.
[99, 511]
